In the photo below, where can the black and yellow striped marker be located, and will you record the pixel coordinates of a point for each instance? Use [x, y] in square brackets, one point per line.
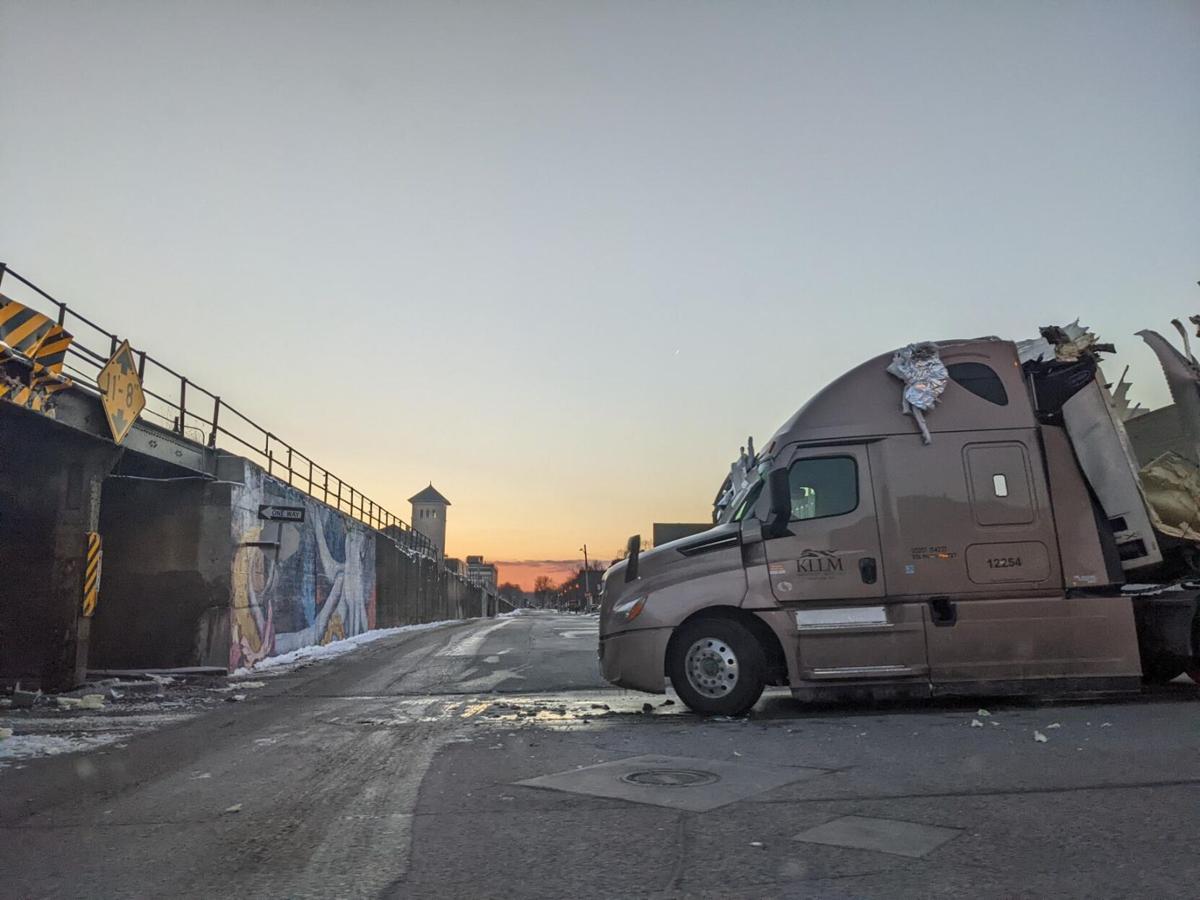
[42, 341]
[91, 580]
[22, 328]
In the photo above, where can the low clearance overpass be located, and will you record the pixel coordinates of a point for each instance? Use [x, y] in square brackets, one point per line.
[174, 492]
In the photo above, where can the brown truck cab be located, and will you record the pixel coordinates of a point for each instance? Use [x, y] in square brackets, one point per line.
[859, 556]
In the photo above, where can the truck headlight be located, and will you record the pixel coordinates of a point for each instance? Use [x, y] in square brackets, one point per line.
[630, 609]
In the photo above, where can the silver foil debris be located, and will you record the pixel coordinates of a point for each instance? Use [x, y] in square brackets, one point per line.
[924, 377]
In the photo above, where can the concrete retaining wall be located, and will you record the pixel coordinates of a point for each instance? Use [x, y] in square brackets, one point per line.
[194, 577]
[164, 594]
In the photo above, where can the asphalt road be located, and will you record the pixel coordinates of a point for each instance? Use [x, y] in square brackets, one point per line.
[395, 772]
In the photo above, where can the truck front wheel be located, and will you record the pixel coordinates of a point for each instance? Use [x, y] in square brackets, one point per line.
[717, 667]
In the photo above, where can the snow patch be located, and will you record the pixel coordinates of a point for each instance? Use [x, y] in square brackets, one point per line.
[26, 746]
[277, 665]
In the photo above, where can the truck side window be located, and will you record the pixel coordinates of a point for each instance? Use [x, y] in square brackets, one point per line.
[980, 380]
[823, 486]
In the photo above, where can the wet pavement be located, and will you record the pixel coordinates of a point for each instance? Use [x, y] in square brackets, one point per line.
[488, 759]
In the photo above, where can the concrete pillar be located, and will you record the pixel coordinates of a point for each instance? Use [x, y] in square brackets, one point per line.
[77, 513]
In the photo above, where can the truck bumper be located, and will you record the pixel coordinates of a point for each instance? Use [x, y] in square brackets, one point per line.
[636, 659]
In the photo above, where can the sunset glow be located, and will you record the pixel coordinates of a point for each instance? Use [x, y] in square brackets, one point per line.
[524, 573]
[568, 296]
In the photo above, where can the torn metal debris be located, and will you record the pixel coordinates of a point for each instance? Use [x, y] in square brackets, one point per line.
[1065, 343]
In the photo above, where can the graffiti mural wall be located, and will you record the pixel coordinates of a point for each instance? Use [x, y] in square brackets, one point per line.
[295, 584]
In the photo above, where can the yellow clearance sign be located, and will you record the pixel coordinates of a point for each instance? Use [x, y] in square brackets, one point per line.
[121, 392]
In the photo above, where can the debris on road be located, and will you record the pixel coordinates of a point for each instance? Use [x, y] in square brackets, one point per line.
[758, 844]
[87, 701]
[101, 715]
[982, 713]
[1039, 737]
[647, 708]
[1053, 725]
[235, 698]
[975, 723]
[236, 808]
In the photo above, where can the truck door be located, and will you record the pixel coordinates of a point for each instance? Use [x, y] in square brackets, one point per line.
[827, 570]
[970, 533]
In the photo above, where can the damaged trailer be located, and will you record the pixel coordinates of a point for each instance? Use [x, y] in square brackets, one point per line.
[959, 517]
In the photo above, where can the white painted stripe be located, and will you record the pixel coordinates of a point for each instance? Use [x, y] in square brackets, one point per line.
[470, 644]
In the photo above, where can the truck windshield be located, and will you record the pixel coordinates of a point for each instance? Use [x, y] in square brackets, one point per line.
[747, 504]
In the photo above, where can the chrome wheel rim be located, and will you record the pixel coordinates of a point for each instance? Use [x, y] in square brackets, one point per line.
[711, 667]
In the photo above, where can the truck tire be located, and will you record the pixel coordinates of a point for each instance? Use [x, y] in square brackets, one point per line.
[717, 667]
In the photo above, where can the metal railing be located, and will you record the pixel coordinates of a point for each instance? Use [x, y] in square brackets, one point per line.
[198, 415]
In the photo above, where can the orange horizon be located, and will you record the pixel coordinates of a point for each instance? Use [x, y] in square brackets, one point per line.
[524, 572]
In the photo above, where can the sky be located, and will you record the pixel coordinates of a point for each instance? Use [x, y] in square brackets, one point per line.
[561, 258]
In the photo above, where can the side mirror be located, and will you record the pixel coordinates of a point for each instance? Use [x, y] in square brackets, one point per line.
[633, 550]
[780, 511]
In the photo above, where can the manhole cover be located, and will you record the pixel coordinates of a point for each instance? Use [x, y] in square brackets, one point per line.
[671, 777]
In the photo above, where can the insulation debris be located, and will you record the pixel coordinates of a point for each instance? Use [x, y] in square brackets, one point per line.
[924, 377]
[87, 701]
[1172, 488]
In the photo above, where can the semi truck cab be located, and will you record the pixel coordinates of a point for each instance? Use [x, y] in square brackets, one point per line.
[863, 558]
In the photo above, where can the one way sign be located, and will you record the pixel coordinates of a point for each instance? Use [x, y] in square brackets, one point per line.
[281, 513]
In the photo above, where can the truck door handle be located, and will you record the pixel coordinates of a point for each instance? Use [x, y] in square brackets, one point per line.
[868, 570]
[943, 611]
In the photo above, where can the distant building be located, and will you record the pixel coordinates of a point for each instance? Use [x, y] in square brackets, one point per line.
[481, 573]
[455, 566]
[429, 516]
[665, 532]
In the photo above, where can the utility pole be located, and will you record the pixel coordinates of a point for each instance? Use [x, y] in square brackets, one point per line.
[587, 579]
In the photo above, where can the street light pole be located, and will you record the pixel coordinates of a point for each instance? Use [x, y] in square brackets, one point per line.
[587, 578]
